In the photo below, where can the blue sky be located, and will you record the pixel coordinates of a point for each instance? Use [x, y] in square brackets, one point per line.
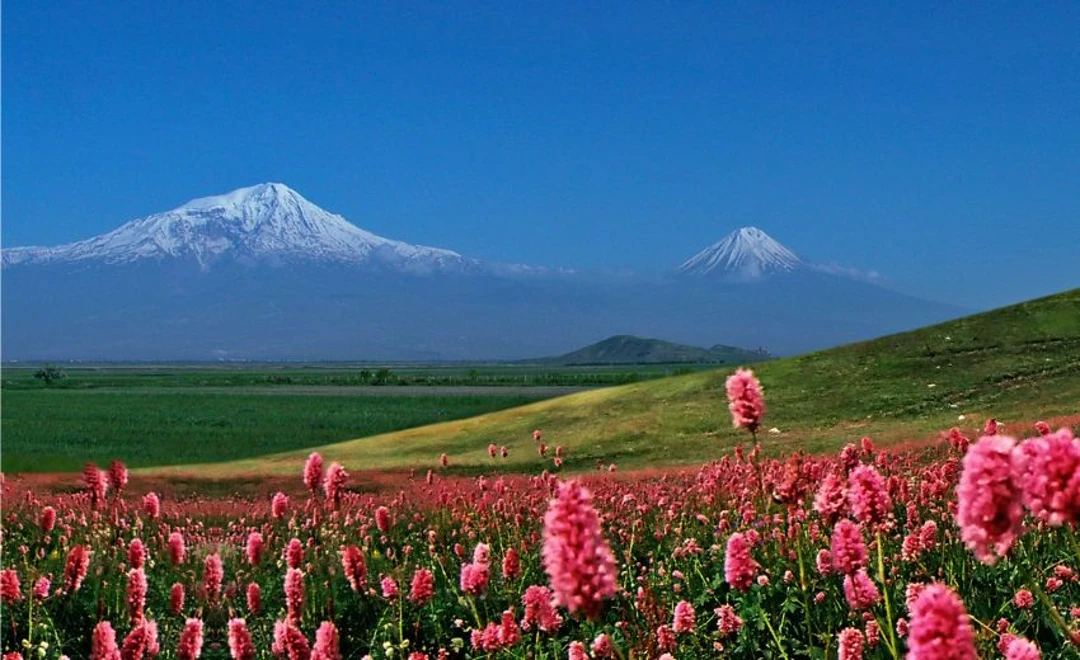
[938, 145]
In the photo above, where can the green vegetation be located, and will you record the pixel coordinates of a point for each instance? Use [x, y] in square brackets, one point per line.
[59, 430]
[628, 349]
[339, 375]
[1018, 364]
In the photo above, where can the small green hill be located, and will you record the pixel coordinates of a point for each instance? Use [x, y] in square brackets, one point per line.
[1018, 364]
[628, 349]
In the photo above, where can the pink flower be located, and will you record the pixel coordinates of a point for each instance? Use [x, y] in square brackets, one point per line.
[213, 576]
[1042, 427]
[334, 485]
[48, 519]
[745, 400]
[939, 628]
[481, 554]
[78, 562]
[327, 644]
[665, 638]
[96, 485]
[831, 499]
[103, 643]
[352, 561]
[136, 594]
[1023, 599]
[848, 549]
[1048, 471]
[509, 633]
[118, 476]
[41, 587]
[422, 589]
[537, 434]
[860, 591]
[511, 565]
[191, 640]
[540, 610]
[444, 460]
[727, 621]
[254, 599]
[176, 598]
[176, 548]
[602, 646]
[873, 634]
[823, 561]
[151, 505]
[850, 644]
[294, 594]
[10, 589]
[474, 578]
[136, 553]
[684, 617]
[382, 519]
[739, 566]
[278, 504]
[389, 588]
[576, 651]
[576, 557]
[869, 499]
[240, 645]
[313, 472]
[989, 511]
[1019, 648]
[294, 553]
[254, 548]
[492, 450]
[141, 641]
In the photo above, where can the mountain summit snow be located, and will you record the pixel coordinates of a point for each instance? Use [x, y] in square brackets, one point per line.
[269, 222]
[747, 253]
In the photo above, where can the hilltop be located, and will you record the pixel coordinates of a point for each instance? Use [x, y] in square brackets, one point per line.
[1017, 363]
[628, 349]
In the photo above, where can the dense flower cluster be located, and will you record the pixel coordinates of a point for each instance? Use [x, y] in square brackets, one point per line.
[869, 553]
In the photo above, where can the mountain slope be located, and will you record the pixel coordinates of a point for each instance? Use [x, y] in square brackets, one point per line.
[269, 221]
[628, 349]
[263, 274]
[1018, 364]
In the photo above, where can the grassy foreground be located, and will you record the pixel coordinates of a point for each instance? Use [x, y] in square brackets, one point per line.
[1017, 364]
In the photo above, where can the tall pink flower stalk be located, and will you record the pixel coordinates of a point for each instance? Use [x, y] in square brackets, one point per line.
[940, 628]
[745, 400]
[213, 577]
[577, 559]
[334, 485]
[1047, 469]
[313, 473]
[96, 484]
[739, 566]
[989, 512]
[191, 640]
[103, 643]
[136, 594]
[869, 499]
[327, 644]
[78, 562]
[352, 562]
[254, 548]
[240, 645]
[294, 594]
[118, 476]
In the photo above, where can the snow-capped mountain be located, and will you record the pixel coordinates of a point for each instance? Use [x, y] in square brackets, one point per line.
[747, 253]
[269, 223]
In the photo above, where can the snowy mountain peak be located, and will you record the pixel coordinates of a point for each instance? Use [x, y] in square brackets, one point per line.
[268, 222]
[747, 253]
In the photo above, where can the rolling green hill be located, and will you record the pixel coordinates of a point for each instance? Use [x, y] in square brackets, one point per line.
[628, 349]
[1018, 364]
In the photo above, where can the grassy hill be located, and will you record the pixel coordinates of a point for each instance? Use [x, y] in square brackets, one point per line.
[628, 349]
[1018, 364]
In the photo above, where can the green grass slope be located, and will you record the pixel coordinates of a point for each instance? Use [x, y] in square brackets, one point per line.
[1018, 364]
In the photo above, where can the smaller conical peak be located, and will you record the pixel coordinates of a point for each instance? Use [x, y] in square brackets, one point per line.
[746, 253]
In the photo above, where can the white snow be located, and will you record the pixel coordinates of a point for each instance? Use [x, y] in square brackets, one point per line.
[269, 220]
[746, 253]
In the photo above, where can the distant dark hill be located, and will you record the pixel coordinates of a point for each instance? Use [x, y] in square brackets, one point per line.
[628, 349]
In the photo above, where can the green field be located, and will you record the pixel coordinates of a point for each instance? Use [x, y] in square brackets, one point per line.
[1018, 364]
[47, 430]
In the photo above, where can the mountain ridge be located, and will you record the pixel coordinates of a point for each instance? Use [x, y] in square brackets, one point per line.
[631, 349]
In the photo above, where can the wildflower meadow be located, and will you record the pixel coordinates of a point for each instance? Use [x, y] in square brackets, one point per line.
[965, 548]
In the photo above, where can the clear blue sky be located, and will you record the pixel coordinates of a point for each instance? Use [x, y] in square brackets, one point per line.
[938, 145]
